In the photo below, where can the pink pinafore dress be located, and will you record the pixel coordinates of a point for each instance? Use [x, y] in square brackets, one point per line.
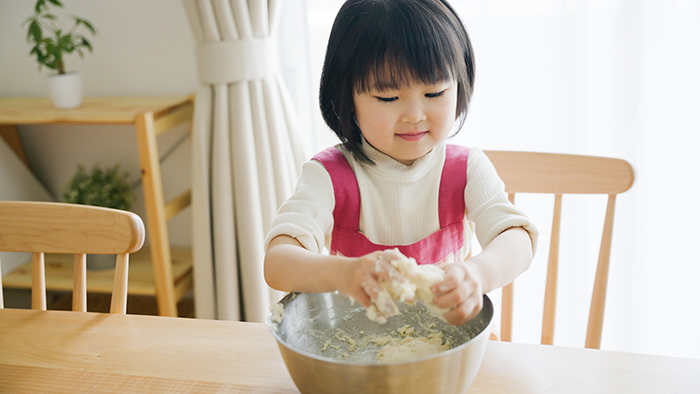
[441, 246]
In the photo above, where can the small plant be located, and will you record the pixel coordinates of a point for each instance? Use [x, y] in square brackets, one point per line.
[50, 42]
[108, 188]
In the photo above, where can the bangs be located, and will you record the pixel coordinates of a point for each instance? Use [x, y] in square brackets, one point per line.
[401, 46]
[396, 73]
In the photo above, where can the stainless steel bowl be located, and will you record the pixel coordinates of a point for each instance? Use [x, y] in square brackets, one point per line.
[317, 331]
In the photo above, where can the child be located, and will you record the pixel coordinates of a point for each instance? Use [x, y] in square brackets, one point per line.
[397, 76]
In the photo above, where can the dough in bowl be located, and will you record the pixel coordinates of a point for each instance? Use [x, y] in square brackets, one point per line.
[410, 348]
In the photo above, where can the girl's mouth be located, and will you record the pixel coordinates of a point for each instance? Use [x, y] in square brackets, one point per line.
[413, 136]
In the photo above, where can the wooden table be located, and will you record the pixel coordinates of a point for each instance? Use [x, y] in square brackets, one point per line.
[57, 352]
[151, 117]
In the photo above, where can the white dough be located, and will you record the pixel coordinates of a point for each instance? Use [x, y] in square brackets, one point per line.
[277, 310]
[418, 279]
[410, 348]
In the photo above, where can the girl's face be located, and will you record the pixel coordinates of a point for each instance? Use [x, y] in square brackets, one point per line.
[408, 122]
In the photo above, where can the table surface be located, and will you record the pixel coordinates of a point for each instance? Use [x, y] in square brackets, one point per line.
[102, 110]
[56, 352]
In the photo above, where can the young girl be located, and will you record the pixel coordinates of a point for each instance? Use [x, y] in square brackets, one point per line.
[397, 76]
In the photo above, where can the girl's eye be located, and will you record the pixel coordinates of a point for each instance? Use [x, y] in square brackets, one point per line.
[386, 99]
[438, 94]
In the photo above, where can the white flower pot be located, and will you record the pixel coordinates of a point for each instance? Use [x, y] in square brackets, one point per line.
[66, 90]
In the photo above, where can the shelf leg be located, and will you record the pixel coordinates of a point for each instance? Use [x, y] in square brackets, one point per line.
[155, 214]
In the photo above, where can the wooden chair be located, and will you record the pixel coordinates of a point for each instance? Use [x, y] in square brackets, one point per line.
[559, 174]
[44, 227]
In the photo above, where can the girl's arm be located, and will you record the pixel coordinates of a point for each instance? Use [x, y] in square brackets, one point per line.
[291, 267]
[501, 261]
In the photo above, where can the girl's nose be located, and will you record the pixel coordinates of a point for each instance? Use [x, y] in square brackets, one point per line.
[413, 113]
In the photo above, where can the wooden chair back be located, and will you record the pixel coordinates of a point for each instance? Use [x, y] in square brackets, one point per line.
[46, 227]
[559, 174]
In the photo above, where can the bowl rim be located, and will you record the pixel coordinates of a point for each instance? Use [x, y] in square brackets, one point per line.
[485, 332]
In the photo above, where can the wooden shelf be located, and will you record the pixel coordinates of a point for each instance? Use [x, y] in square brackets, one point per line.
[151, 117]
[95, 110]
[59, 274]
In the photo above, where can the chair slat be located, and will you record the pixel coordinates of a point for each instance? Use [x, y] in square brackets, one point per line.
[507, 302]
[38, 282]
[507, 312]
[119, 292]
[600, 286]
[550, 293]
[79, 283]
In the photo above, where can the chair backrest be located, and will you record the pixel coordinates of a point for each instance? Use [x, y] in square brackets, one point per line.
[45, 227]
[559, 174]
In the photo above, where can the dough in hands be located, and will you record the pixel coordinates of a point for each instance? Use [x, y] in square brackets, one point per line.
[418, 279]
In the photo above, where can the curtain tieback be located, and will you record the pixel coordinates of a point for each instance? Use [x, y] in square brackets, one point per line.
[235, 61]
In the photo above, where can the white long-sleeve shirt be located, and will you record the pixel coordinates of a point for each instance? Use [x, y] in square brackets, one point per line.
[399, 203]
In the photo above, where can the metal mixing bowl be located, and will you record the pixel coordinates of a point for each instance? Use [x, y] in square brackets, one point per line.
[317, 333]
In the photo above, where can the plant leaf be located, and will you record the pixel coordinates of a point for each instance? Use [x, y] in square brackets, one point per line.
[39, 55]
[107, 188]
[34, 31]
[86, 44]
[81, 21]
[40, 5]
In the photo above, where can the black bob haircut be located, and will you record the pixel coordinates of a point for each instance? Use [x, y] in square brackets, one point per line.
[387, 44]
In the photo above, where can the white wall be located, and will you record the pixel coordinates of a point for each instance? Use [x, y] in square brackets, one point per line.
[19, 184]
[143, 48]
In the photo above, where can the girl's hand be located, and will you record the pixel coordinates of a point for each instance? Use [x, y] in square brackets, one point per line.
[360, 277]
[461, 292]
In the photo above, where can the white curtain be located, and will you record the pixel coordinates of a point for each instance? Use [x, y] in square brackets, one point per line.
[598, 77]
[246, 153]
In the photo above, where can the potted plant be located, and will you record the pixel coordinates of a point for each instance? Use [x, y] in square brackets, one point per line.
[50, 44]
[108, 188]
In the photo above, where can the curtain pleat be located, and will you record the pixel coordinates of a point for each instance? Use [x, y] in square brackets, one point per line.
[247, 198]
[224, 231]
[263, 156]
[246, 157]
[208, 24]
[225, 19]
[259, 18]
[241, 14]
[275, 11]
[201, 204]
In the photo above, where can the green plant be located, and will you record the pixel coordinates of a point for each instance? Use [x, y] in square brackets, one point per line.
[104, 188]
[51, 43]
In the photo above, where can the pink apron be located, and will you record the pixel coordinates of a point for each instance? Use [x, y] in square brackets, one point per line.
[441, 246]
